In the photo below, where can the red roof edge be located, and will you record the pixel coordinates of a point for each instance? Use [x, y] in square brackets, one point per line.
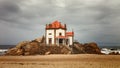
[69, 33]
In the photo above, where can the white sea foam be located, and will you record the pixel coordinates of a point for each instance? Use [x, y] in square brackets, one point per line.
[2, 51]
[108, 50]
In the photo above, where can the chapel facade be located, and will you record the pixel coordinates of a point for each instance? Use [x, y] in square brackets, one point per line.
[56, 34]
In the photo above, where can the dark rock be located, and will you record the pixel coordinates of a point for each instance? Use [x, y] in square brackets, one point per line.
[54, 50]
[34, 48]
[24, 48]
[38, 46]
[92, 48]
[114, 53]
[87, 48]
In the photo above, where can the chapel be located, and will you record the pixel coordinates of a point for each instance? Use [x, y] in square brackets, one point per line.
[56, 34]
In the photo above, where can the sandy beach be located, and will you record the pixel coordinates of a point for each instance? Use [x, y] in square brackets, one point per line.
[61, 61]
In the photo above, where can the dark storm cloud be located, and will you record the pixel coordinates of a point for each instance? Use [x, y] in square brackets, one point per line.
[92, 20]
[25, 13]
[7, 9]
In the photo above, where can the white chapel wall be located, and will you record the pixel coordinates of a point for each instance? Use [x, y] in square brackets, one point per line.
[49, 36]
[60, 31]
[70, 40]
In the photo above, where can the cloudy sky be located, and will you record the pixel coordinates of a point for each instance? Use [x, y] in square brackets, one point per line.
[92, 20]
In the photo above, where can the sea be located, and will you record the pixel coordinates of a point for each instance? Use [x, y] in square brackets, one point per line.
[11, 46]
[109, 47]
[6, 46]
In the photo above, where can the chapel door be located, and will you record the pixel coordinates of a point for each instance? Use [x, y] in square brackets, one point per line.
[50, 40]
[60, 41]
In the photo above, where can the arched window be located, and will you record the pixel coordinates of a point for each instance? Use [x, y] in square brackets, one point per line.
[50, 33]
[60, 34]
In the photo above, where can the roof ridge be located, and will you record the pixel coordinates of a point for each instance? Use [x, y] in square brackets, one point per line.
[56, 24]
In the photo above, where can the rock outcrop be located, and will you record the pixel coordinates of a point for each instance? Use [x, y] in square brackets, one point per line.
[45, 50]
[24, 48]
[87, 48]
[114, 53]
[37, 47]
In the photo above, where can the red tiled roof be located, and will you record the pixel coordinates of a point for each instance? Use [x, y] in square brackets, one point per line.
[69, 33]
[55, 24]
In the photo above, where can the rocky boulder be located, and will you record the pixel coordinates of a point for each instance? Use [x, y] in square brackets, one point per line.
[114, 53]
[24, 48]
[45, 50]
[92, 48]
[36, 48]
[87, 48]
